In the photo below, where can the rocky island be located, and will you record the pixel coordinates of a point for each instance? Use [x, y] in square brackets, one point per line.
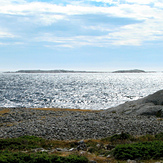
[129, 71]
[51, 71]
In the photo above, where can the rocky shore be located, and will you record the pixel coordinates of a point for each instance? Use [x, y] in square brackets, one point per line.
[66, 124]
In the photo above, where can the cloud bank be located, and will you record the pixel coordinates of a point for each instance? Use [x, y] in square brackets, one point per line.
[97, 23]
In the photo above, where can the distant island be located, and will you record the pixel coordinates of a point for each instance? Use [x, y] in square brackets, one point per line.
[130, 71]
[51, 71]
[73, 71]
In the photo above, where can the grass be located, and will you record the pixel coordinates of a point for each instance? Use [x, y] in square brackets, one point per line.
[72, 110]
[4, 111]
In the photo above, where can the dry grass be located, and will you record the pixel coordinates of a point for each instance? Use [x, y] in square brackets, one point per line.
[4, 111]
[60, 109]
[98, 159]
[159, 119]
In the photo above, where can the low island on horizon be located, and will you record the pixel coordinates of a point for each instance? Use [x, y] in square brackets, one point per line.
[74, 71]
[130, 71]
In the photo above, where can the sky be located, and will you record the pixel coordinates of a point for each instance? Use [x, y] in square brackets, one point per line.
[98, 35]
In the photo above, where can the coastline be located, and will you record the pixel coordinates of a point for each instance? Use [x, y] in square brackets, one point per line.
[139, 117]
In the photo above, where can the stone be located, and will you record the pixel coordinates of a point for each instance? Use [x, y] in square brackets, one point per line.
[81, 142]
[108, 156]
[40, 150]
[72, 149]
[59, 149]
[110, 147]
[82, 147]
[92, 161]
[131, 161]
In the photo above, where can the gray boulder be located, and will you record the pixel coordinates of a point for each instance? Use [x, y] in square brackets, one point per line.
[150, 105]
[156, 98]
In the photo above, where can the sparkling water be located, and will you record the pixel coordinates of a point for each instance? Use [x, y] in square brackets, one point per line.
[77, 90]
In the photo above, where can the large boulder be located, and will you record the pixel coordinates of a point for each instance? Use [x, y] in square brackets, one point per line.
[156, 98]
[150, 105]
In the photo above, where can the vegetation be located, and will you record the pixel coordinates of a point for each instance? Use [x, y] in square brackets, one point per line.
[21, 143]
[118, 147]
[143, 151]
[16, 157]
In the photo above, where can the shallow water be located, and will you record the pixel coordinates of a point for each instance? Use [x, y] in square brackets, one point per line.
[81, 91]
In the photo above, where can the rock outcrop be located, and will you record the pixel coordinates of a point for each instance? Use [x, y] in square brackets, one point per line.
[150, 105]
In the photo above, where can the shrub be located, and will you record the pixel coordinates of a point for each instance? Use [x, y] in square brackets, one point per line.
[159, 136]
[122, 136]
[146, 137]
[76, 159]
[118, 137]
[145, 150]
[17, 157]
[24, 142]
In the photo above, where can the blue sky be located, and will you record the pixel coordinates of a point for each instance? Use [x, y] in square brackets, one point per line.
[102, 35]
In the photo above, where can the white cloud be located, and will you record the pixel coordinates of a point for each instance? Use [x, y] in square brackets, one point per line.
[108, 1]
[11, 43]
[74, 41]
[6, 34]
[159, 5]
[138, 33]
[134, 34]
[141, 1]
[36, 8]
[7, 2]
[50, 19]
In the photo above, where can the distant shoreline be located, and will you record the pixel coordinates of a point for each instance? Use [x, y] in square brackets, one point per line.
[73, 71]
[130, 71]
[52, 71]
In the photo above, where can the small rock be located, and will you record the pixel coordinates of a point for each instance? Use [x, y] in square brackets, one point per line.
[40, 150]
[98, 145]
[92, 161]
[59, 149]
[82, 153]
[110, 147]
[72, 149]
[131, 161]
[108, 156]
[81, 142]
[82, 147]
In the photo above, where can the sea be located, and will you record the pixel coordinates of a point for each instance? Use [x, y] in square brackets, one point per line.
[95, 91]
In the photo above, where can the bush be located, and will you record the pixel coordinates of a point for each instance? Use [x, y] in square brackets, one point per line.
[76, 159]
[122, 136]
[145, 150]
[145, 138]
[159, 136]
[24, 142]
[17, 157]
